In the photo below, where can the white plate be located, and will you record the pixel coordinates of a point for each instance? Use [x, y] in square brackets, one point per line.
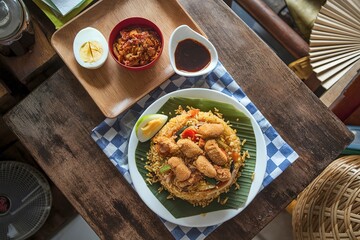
[211, 218]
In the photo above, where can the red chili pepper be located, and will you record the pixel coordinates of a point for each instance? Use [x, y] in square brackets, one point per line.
[189, 133]
[235, 156]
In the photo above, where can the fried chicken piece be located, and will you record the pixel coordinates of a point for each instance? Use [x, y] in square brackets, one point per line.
[211, 130]
[222, 174]
[215, 153]
[182, 172]
[166, 146]
[175, 161]
[205, 167]
[189, 148]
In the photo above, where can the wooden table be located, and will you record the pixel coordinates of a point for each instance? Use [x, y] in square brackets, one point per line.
[54, 122]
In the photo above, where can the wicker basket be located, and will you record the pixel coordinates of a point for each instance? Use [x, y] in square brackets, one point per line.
[329, 208]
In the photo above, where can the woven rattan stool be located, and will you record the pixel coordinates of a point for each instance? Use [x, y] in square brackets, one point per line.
[329, 208]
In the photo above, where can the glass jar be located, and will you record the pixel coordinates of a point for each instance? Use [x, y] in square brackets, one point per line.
[16, 30]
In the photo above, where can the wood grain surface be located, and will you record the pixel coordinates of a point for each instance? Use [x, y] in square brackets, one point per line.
[112, 87]
[76, 164]
[25, 67]
[55, 122]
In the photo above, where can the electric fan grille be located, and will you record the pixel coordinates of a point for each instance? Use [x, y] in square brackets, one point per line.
[26, 200]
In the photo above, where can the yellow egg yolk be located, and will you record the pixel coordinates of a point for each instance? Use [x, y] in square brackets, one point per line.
[91, 51]
[151, 126]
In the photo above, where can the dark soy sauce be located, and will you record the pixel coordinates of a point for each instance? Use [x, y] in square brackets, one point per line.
[191, 56]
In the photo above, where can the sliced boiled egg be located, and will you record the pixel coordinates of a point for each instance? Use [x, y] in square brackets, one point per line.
[148, 125]
[90, 48]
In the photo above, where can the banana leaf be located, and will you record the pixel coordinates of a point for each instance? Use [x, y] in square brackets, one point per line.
[236, 198]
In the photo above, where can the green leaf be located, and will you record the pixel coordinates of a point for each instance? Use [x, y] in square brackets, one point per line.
[239, 121]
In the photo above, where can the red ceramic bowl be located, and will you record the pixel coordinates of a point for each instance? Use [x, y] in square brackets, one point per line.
[134, 22]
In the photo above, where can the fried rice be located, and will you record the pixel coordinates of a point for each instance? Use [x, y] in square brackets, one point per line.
[196, 156]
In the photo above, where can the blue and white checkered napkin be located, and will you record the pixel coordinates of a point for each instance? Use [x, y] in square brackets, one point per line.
[112, 135]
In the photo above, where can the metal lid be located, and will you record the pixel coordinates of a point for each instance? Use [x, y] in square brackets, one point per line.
[11, 18]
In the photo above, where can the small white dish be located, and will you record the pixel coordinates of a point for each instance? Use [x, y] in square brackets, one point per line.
[90, 34]
[185, 32]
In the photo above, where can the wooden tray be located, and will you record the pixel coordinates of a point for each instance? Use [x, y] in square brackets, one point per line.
[113, 88]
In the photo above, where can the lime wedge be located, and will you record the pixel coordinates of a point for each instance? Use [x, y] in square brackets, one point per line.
[148, 125]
